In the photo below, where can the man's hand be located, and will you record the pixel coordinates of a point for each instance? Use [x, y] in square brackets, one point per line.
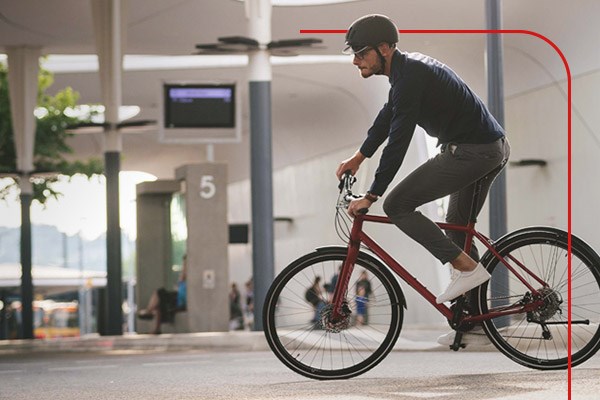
[357, 205]
[352, 164]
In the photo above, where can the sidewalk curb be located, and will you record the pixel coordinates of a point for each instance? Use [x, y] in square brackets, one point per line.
[234, 341]
[206, 341]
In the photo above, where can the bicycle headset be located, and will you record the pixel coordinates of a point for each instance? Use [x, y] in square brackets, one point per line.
[370, 31]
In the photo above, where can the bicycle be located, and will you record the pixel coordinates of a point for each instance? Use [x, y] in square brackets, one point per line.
[523, 308]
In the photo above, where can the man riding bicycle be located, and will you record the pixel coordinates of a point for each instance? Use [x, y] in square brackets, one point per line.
[427, 93]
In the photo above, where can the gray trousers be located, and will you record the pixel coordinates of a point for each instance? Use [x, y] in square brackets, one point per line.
[453, 172]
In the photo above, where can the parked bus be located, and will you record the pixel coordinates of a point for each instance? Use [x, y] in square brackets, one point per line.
[53, 319]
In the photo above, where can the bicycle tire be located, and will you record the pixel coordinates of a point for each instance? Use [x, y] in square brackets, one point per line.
[521, 336]
[308, 347]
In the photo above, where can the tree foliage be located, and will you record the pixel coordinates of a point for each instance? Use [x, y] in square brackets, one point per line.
[50, 138]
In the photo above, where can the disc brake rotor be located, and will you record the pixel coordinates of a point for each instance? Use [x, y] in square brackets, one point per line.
[338, 325]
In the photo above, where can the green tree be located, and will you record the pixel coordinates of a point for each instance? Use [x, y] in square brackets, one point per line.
[50, 138]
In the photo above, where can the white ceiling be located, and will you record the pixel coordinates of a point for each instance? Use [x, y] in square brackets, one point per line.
[317, 108]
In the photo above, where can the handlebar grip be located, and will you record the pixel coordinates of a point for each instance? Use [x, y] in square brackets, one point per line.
[363, 211]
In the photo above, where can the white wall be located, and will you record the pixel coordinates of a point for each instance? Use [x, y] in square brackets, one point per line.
[586, 158]
[537, 127]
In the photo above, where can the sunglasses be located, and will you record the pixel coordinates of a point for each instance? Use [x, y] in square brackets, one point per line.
[361, 52]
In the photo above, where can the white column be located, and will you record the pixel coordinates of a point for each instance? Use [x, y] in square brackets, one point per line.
[110, 31]
[258, 13]
[23, 67]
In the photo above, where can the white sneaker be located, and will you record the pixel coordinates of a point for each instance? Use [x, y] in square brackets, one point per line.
[462, 282]
[474, 337]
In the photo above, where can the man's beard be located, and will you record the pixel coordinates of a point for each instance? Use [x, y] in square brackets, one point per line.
[372, 71]
[380, 70]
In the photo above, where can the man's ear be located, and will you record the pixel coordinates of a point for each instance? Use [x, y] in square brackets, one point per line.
[385, 49]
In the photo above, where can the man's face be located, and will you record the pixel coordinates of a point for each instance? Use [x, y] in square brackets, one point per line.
[367, 62]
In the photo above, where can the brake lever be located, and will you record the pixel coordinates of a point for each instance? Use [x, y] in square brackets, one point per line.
[347, 181]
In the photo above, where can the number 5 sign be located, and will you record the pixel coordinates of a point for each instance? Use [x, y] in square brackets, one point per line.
[207, 186]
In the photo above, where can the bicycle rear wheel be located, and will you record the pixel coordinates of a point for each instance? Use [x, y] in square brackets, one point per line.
[305, 339]
[539, 339]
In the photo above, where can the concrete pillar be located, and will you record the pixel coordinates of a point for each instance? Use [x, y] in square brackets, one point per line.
[208, 237]
[109, 18]
[153, 244]
[23, 66]
[495, 85]
[495, 80]
[261, 170]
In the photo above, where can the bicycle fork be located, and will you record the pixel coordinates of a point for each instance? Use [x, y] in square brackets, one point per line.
[341, 288]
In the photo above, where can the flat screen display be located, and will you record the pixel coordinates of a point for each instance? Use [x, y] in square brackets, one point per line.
[199, 106]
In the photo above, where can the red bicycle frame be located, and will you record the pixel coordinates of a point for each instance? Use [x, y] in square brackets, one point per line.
[358, 236]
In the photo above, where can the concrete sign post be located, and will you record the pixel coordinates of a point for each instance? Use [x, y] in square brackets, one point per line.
[205, 187]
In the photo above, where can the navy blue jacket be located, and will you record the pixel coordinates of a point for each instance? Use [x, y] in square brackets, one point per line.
[427, 93]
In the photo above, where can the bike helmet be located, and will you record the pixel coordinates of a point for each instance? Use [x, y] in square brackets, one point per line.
[369, 31]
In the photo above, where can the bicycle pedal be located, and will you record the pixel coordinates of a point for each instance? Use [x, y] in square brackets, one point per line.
[455, 348]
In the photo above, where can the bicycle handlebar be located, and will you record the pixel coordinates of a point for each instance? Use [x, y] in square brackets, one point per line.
[345, 186]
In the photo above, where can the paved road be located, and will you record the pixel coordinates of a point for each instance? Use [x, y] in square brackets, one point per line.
[259, 375]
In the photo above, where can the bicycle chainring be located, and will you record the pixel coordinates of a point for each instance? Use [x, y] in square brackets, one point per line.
[465, 311]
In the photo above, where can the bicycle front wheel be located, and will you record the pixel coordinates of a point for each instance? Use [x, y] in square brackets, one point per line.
[303, 336]
[539, 338]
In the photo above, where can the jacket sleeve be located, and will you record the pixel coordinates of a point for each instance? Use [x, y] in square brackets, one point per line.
[378, 132]
[405, 99]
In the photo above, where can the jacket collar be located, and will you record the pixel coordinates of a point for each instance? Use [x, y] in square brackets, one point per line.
[397, 67]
